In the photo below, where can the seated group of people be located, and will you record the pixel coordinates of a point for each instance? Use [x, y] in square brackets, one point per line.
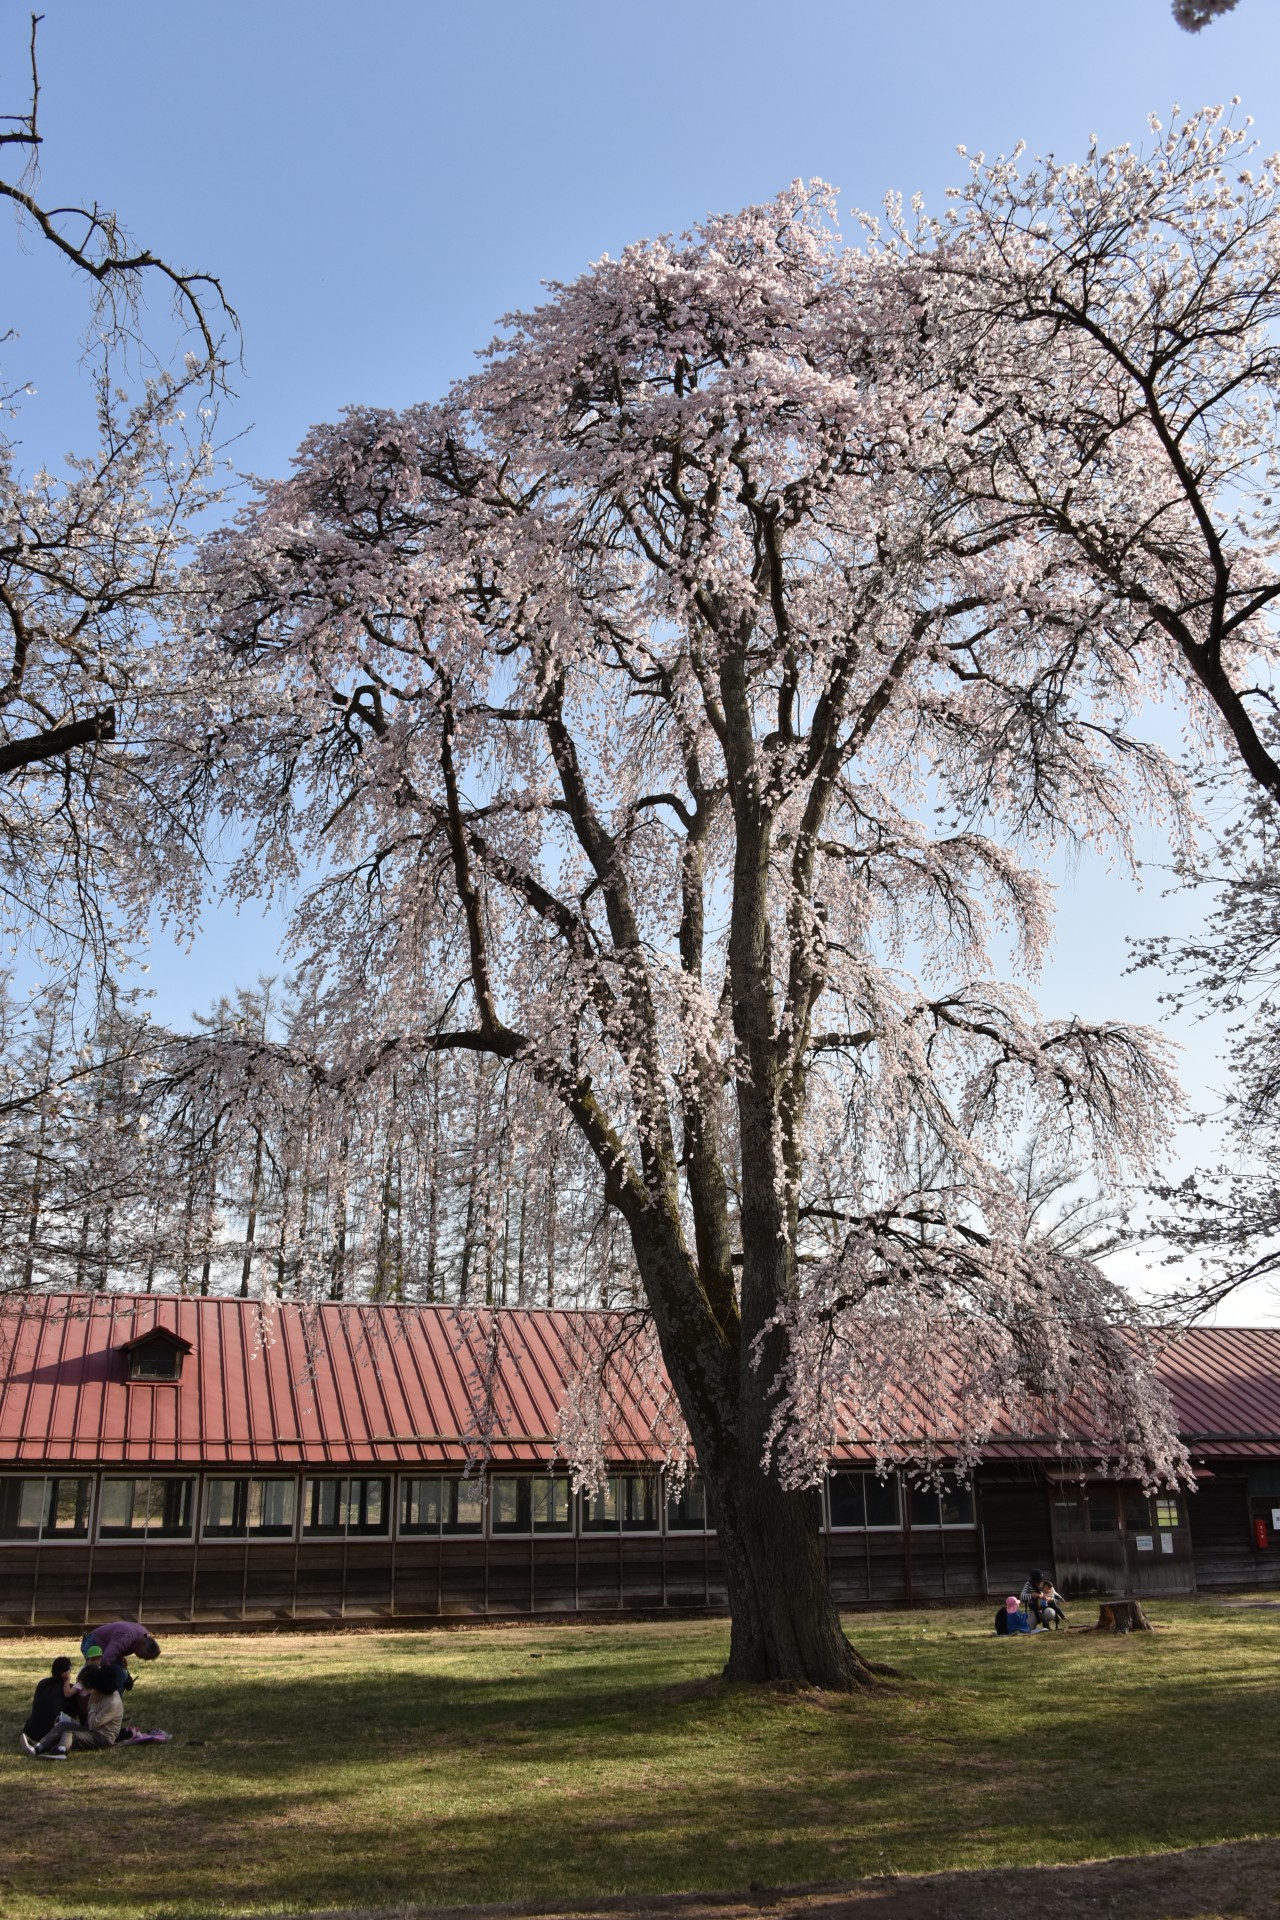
[89, 1710]
[1035, 1610]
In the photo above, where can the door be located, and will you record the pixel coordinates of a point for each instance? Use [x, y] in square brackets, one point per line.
[1111, 1539]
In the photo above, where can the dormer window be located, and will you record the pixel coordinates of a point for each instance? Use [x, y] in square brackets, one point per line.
[157, 1354]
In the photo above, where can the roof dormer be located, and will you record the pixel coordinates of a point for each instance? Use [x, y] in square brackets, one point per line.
[157, 1354]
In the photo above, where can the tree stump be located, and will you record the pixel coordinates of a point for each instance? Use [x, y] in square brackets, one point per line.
[1122, 1616]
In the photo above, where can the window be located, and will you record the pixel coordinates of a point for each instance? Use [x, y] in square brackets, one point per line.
[863, 1500]
[433, 1504]
[1137, 1511]
[156, 1360]
[345, 1506]
[1166, 1513]
[529, 1503]
[949, 1505]
[1102, 1510]
[690, 1512]
[600, 1508]
[155, 1509]
[627, 1501]
[1068, 1511]
[956, 1504]
[238, 1509]
[44, 1509]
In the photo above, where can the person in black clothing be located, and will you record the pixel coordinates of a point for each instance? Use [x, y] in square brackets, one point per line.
[56, 1693]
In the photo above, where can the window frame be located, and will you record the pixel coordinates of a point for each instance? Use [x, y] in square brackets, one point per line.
[692, 1478]
[246, 1534]
[533, 1531]
[443, 1478]
[347, 1532]
[892, 1481]
[144, 1536]
[50, 1537]
[940, 1525]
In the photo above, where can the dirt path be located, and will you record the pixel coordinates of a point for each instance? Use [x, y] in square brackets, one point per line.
[1239, 1881]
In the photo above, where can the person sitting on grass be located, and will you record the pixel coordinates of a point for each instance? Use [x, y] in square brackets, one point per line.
[56, 1694]
[102, 1722]
[1012, 1619]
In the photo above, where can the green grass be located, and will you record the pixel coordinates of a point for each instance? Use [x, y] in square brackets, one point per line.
[370, 1769]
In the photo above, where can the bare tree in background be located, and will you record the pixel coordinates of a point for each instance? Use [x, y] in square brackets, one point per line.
[90, 559]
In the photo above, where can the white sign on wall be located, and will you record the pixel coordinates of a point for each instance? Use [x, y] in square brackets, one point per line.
[1144, 1543]
[1166, 1543]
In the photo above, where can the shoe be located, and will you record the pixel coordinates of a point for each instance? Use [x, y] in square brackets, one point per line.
[28, 1746]
[51, 1753]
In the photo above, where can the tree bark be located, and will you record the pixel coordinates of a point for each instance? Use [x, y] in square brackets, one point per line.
[784, 1623]
[1122, 1616]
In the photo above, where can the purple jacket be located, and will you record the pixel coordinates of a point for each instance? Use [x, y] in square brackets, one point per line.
[119, 1639]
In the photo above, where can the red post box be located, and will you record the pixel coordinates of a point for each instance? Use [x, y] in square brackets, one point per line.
[1260, 1534]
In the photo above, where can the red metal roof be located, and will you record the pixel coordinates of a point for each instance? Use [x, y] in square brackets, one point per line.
[289, 1384]
[339, 1384]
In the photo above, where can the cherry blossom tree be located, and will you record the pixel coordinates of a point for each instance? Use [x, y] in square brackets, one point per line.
[648, 711]
[1193, 15]
[1121, 321]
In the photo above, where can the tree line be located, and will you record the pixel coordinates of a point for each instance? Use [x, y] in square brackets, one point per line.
[136, 1156]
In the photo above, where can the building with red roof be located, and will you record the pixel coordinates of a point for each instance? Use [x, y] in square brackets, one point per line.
[208, 1459]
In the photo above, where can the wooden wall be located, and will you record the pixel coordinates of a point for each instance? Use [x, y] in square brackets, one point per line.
[273, 1582]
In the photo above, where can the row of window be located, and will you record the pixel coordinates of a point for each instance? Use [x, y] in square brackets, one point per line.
[162, 1507]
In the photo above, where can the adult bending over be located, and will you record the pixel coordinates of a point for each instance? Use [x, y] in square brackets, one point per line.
[118, 1640]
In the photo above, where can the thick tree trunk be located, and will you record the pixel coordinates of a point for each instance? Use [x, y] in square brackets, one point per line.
[1122, 1616]
[784, 1623]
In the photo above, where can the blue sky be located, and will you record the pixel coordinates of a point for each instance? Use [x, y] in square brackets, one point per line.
[377, 184]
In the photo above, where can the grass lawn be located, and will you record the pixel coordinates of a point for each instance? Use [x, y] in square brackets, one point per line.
[369, 1769]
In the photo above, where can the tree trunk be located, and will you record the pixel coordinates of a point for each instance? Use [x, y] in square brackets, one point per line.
[784, 1623]
[1122, 1616]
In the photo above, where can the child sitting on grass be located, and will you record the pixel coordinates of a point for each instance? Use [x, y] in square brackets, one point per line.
[1011, 1618]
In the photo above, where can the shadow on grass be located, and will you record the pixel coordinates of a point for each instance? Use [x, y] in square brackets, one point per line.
[407, 1769]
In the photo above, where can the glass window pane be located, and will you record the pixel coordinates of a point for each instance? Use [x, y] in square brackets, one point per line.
[116, 1512]
[12, 1524]
[1166, 1513]
[224, 1505]
[170, 1513]
[846, 1500]
[367, 1513]
[68, 1511]
[600, 1509]
[1102, 1510]
[957, 1505]
[33, 1506]
[688, 1514]
[1068, 1511]
[326, 1506]
[279, 1504]
[552, 1508]
[464, 1506]
[510, 1495]
[924, 1507]
[882, 1500]
[420, 1506]
[1137, 1511]
[269, 1506]
[640, 1503]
